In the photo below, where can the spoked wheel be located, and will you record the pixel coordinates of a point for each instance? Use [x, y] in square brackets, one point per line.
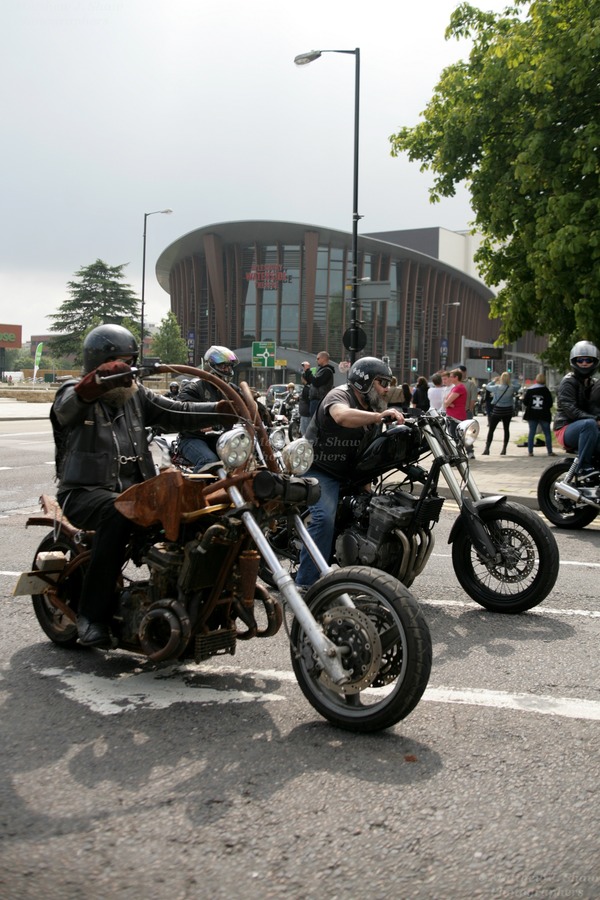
[58, 626]
[561, 511]
[527, 565]
[294, 429]
[386, 649]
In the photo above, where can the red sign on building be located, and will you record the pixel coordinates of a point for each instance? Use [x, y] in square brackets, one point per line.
[10, 336]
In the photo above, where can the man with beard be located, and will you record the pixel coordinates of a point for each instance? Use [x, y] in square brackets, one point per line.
[101, 449]
[342, 425]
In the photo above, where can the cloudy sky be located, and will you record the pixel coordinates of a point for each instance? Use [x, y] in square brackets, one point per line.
[115, 108]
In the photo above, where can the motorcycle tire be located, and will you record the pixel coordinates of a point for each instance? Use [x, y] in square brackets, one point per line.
[389, 662]
[56, 625]
[561, 511]
[529, 568]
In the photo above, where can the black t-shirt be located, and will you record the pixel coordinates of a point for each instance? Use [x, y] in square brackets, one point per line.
[335, 446]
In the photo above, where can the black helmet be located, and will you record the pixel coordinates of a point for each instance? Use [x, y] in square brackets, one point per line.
[174, 387]
[107, 342]
[584, 348]
[220, 361]
[364, 371]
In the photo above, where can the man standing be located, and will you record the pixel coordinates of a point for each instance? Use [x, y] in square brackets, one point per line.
[342, 423]
[471, 399]
[320, 381]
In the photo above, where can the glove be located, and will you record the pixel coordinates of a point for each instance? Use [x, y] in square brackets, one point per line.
[227, 415]
[90, 388]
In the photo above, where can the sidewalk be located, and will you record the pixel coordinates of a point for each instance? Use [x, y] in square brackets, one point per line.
[516, 475]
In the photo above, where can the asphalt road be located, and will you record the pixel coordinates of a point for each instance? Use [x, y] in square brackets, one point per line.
[121, 780]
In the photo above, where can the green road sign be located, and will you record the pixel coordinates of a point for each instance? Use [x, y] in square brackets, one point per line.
[263, 354]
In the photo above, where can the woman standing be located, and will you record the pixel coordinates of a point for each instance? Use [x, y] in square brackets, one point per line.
[538, 404]
[503, 408]
[419, 398]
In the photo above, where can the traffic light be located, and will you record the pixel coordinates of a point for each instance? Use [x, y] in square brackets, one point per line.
[414, 365]
[509, 366]
[488, 365]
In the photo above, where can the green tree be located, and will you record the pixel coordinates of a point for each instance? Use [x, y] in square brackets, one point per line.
[519, 123]
[168, 344]
[98, 297]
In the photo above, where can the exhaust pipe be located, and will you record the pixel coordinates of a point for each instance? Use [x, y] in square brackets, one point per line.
[571, 493]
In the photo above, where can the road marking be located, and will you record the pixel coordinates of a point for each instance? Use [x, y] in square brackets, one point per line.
[181, 684]
[538, 611]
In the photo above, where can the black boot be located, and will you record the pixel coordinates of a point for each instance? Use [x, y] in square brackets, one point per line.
[486, 452]
[504, 446]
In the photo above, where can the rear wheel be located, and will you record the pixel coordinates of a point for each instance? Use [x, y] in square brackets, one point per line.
[386, 649]
[53, 621]
[561, 511]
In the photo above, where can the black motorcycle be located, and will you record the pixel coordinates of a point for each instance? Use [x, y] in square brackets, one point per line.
[567, 499]
[504, 556]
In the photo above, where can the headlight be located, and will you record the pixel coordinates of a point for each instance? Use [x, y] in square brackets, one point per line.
[234, 447]
[278, 438]
[468, 431]
[298, 456]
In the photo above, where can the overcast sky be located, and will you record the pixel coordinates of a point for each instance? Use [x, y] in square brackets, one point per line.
[114, 108]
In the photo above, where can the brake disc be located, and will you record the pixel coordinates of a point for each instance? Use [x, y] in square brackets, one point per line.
[353, 631]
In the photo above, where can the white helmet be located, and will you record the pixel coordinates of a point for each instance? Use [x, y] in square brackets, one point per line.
[220, 361]
[585, 349]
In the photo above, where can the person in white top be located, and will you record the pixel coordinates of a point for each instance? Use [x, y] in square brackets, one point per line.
[436, 392]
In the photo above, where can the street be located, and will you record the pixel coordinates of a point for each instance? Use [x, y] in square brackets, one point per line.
[124, 780]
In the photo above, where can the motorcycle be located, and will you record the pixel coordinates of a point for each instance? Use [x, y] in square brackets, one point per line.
[567, 499]
[360, 646]
[504, 556]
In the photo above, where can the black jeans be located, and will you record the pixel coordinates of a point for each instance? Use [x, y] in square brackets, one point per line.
[96, 510]
[494, 419]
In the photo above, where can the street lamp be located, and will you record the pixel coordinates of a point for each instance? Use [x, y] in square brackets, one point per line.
[166, 212]
[302, 60]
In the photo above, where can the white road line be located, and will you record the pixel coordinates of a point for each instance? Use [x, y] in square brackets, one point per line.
[159, 690]
[538, 611]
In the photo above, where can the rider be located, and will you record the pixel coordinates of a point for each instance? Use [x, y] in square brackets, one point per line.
[576, 422]
[345, 419]
[101, 449]
[199, 449]
[173, 390]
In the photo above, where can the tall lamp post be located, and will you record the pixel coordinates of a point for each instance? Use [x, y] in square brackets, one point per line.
[302, 60]
[166, 212]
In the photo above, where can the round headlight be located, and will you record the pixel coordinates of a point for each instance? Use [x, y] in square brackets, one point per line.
[298, 456]
[468, 431]
[234, 447]
[278, 439]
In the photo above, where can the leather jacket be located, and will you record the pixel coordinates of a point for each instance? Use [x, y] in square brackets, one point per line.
[573, 400]
[99, 446]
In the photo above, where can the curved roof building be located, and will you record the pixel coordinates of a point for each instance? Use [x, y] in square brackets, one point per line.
[234, 283]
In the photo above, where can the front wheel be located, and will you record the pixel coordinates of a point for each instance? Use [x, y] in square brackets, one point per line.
[526, 565]
[561, 511]
[55, 623]
[386, 649]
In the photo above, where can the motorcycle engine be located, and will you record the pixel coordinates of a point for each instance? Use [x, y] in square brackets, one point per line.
[370, 539]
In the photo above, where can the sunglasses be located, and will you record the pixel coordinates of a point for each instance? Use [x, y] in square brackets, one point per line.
[584, 360]
[384, 382]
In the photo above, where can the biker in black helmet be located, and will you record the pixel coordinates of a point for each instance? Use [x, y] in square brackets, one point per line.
[344, 420]
[173, 389]
[99, 427]
[576, 423]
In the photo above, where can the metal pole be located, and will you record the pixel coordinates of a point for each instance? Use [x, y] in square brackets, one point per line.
[143, 290]
[355, 215]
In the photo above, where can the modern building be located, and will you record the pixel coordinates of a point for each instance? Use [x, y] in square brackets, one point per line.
[236, 283]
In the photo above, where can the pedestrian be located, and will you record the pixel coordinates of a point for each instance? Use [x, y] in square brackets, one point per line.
[471, 386]
[420, 399]
[538, 401]
[304, 400]
[455, 400]
[503, 409]
[437, 392]
[320, 381]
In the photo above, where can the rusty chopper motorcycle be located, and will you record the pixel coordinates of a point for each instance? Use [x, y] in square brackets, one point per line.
[360, 646]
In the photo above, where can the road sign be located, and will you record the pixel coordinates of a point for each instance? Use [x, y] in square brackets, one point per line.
[263, 354]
